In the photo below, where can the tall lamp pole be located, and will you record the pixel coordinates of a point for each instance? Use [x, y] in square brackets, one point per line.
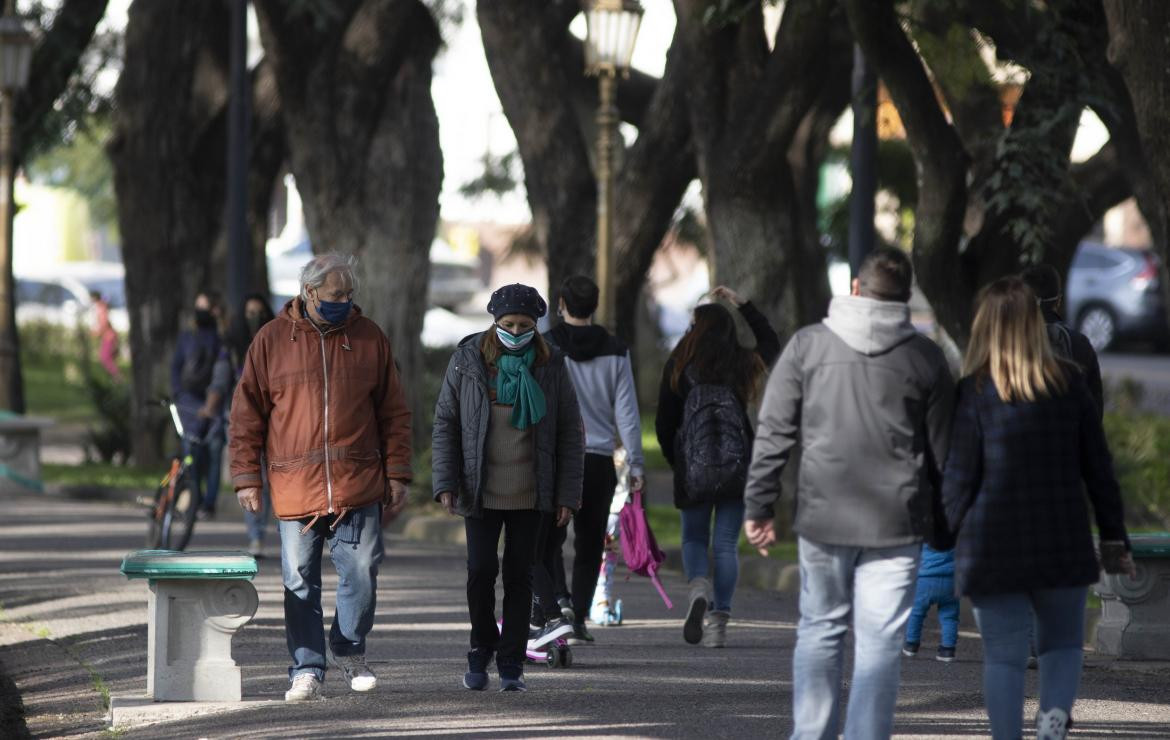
[16, 46]
[609, 47]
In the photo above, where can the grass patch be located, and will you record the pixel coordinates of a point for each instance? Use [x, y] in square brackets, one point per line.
[667, 527]
[654, 457]
[50, 391]
[103, 475]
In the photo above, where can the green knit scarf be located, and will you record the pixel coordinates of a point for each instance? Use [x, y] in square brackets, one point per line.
[516, 387]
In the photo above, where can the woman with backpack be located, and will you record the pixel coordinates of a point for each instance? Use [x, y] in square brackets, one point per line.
[1026, 446]
[507, 454]
[709, 380]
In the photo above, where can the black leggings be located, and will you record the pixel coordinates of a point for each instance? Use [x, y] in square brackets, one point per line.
[589, 530]
[483, 538]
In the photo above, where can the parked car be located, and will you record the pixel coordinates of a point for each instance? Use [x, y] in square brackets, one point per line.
[62, 296]
[1115, 293]
[454, 280]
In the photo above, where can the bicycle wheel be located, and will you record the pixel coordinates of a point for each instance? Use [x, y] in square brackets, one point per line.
[155, 517]
[184, 507]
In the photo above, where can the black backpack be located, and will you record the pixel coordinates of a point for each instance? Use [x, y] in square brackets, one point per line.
[198, 365]
[713, 446]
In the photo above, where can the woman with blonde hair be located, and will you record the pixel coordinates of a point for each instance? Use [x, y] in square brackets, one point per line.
[1027, 443]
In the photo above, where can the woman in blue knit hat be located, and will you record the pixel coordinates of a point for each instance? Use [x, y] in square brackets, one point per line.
[507, 455]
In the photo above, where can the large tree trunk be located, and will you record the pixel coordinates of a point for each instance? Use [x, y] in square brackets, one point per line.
[168, 157]
[746, 106]
[354, 82]
[1139, 47]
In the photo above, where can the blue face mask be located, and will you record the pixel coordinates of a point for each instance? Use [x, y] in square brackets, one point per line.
[334, 312]
[512, 341]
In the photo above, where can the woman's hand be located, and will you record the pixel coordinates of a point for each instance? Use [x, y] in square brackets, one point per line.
[728, 294]
[564, 514]
[447, 499]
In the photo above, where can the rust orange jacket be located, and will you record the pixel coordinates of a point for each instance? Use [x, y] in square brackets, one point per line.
[326, 409]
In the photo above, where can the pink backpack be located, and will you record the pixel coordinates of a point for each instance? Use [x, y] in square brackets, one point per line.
[639, 548]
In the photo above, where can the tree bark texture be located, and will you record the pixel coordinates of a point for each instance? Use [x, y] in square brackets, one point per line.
[354, 81]
[966, 237]
[746, 105]
[168, 156]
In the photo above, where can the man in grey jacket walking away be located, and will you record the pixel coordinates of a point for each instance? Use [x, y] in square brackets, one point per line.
[599, 364]
[869, 400]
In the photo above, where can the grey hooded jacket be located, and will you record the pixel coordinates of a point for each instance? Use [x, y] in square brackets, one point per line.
[869, 400]
[461, 428]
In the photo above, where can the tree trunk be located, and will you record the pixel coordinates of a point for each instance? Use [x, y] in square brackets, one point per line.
[168, 156]
[354, 82]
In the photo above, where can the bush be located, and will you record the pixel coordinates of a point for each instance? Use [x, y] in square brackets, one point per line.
[110, 438]
[1140, 443]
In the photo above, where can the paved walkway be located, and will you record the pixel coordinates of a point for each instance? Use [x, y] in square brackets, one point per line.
[74, 629]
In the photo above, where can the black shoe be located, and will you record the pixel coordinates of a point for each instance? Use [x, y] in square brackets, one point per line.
[550, 632]
[910, 649]
[511, 676]
[478, 661]
[566, 607]
[580, 635]
[945, 655]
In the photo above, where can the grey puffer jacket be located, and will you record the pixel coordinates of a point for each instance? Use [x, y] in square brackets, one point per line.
[461, 429]
[869, 401]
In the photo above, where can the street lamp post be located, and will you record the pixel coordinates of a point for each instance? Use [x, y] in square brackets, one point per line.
[609, 46]
[16, 46]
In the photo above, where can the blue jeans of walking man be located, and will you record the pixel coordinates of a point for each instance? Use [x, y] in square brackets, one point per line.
[872, 588]
[355, 547]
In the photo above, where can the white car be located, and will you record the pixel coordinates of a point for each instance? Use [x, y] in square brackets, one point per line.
[62, 296]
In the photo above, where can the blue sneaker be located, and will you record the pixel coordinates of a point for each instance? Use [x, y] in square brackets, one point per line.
[511, 676]
[478, 661]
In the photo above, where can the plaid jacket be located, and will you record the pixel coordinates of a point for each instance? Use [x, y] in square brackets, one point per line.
[1014, 490]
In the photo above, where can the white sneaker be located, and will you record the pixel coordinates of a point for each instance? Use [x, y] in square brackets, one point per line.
[305, 687]
[256, 548]
[1053, 724]
[356, 671]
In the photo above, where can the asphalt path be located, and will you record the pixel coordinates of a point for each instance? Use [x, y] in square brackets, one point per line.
[74, 628]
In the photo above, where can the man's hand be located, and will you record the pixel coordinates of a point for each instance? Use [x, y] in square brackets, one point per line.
[447, 499]
[1129, 565]
[564, 514]
[249, 499]
[761, 534]
[398, 496]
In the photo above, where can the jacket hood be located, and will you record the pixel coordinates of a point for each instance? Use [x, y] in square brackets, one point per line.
[294, 312]
[584, 343]
[869, 326]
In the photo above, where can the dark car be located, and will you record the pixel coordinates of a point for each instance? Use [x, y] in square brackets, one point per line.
[1115, 293]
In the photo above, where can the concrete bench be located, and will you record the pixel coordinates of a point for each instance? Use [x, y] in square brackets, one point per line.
[1135, 612]
[197, 602]
[20, 451]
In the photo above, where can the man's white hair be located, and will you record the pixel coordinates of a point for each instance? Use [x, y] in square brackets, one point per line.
[319, 268]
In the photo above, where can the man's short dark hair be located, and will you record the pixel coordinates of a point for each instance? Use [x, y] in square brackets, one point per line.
[580, 295]
[1044, 281]
[886, 275]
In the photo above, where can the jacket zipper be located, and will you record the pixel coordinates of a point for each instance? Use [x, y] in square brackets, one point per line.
[328, 468]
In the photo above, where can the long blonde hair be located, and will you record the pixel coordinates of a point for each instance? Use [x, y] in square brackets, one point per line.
[1009, 344]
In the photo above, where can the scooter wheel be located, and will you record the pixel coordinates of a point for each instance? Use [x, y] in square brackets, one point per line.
[566, 658]
[554, 659]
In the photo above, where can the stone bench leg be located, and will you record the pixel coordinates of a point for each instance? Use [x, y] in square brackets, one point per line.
[1135, 613]
[190, 624]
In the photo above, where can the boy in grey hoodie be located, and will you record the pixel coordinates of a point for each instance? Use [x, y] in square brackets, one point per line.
[869, 401]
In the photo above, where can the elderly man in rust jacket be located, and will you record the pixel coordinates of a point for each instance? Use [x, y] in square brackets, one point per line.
[321, 405]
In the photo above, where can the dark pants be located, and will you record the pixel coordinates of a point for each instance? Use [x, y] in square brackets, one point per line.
[549, 541]
[483, 538]
[589, 529]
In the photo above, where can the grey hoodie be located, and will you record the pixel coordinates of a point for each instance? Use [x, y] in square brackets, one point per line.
[869, 400]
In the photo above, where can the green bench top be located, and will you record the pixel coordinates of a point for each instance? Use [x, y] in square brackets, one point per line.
[165, 565]
[1150, 545]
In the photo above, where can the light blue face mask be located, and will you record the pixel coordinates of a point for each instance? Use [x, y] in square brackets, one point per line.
[515, 342]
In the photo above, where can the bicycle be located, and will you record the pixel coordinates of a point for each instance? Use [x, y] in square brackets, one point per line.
[176, 501]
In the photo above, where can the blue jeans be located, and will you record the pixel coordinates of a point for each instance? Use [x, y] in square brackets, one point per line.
[932, 590]
[207, 462]
[697, 534]
[355, 547]
[1005, 623]
[873, 588]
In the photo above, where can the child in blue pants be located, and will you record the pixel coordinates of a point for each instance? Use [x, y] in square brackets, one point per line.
[936, 585]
